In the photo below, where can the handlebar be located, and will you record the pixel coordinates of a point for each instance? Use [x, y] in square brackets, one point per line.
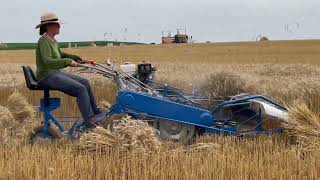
[121, 78]
[104, 70]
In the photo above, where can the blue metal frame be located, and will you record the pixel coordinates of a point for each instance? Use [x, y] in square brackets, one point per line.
[47, 105]
[155, 107]
[145, 106]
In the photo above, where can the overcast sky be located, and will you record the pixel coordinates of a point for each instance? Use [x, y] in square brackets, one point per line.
[205, 20]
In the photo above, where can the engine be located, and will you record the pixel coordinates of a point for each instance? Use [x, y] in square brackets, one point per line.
[144, 72]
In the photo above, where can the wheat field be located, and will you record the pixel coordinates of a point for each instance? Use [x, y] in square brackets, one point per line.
[286, 71]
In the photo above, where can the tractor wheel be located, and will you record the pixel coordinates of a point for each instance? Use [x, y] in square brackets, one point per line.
[174, 131]
[37, 135]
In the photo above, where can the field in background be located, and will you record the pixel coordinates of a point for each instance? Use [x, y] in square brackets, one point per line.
[25, 46]
[278, 69]
[246, 52]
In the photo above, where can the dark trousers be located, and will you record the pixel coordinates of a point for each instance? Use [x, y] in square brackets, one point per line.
[75, 86]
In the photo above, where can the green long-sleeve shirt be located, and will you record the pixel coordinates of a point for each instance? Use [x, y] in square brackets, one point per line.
[49, 57]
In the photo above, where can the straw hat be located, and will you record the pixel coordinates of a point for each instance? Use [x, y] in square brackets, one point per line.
[47, 19]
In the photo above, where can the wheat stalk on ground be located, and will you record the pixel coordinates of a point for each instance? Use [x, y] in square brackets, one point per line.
[125, 134]
[20, 107]
[304, 125]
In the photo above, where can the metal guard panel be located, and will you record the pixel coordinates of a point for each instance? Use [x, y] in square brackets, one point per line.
[157, 106]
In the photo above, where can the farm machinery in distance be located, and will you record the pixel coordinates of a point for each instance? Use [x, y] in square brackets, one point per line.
[177, 115]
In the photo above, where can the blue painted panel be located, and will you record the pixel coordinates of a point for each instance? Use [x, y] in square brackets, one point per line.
[157, 106]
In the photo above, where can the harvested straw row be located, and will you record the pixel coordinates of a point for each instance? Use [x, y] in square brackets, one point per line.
[125, 134]
[134, 136]
[304, 125]
[304, 117]
[6, 117]
[8, 126]
[19, 107]
[12, 119]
